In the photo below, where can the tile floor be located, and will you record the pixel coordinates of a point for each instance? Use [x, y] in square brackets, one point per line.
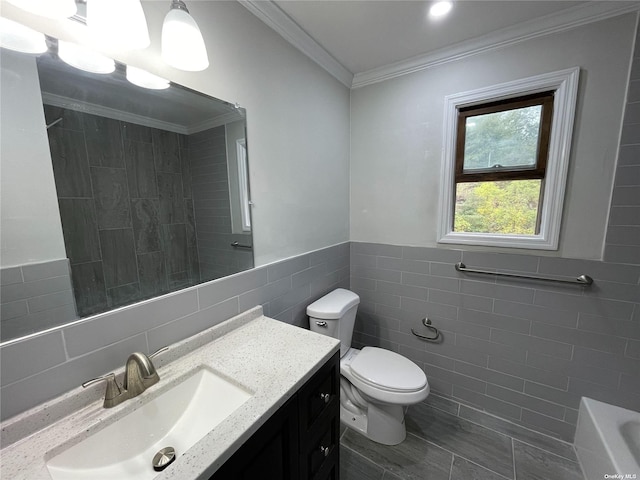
[444, 446]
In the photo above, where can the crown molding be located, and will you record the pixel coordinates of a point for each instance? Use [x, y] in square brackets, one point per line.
[554, 23]
[214, 122]
[92, 108]
[274, 17]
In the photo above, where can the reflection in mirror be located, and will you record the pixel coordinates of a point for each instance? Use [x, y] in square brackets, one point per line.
[151, 185]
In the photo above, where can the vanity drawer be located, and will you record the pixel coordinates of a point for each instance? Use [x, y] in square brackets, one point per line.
[321, 452]
[319, 395]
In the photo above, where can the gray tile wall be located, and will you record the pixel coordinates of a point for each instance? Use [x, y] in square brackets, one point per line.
[210, 183]
[524, 350]
[125, 202]
[40, 368]
[623, 233]
[35, 297]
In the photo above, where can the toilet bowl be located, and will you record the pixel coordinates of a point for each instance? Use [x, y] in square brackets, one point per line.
[376, 385]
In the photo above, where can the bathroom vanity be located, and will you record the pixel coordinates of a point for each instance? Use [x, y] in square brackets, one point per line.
[301, 440]
[248, 395]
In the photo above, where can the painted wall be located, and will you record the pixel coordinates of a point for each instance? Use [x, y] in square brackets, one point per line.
[30, 228]
[397, 129]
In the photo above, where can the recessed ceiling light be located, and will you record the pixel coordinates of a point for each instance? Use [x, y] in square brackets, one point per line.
[440, 9]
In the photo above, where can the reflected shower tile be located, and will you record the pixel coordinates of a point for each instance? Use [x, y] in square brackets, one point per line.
[137, 133]
[166, 151]
[151, 271]
[104, 141]
[144, 213]
[123, 295]
[111, 197]
[141, 172]
[174, 243]
[89, 288]
[70, 165]
[80, 229]
[171, 199]
[119, 258]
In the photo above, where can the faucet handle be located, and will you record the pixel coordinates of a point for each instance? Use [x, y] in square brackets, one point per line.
[113, 389]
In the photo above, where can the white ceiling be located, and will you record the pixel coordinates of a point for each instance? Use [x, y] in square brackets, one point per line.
[366, 37]
[363, 35]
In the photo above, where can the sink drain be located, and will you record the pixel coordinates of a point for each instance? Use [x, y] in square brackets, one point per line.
[163, 458]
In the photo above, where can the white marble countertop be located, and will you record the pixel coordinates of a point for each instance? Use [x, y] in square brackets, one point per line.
[270, 358]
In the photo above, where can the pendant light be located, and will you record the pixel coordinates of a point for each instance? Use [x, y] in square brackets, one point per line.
[84, 58]
[118, 23]
[182, 43]
[19, 38]
[144, 79]
[57, 9]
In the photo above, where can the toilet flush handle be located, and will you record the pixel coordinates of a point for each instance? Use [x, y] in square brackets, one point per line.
[322, 324]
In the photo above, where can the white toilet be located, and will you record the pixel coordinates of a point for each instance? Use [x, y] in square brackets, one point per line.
[376, 385]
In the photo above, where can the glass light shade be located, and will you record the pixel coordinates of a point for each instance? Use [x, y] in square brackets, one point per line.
[48, 8]
[84, 58]
[144, 79]
[440, 9]
[118, 23]
[182, 43]
[15, 36]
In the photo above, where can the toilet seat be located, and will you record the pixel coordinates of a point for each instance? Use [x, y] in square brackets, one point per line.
[388, 371]
[401, 382]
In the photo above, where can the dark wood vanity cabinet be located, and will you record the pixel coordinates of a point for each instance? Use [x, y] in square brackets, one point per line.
[300, 441]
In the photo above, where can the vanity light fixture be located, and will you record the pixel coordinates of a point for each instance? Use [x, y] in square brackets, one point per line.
[84, 58]
[144, 79]
[440, 9]
[119, 23]
[182, 43]
[19, 38]
[57, 9]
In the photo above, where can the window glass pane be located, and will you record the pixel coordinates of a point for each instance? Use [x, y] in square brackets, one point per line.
[507, 139]
[507, 207]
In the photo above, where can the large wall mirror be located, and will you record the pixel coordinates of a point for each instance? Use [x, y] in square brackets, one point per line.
[151, 185]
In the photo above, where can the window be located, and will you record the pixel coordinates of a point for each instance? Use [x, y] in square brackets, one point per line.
[243, 183]
[505, 162]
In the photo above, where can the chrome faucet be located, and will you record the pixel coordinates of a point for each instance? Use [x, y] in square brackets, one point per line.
[139, 374]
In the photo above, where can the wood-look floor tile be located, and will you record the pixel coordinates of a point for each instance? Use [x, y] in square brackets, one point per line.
[413, 459]
[480, 445]
[535, 464]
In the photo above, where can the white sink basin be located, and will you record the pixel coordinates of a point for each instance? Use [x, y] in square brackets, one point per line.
[178, 418]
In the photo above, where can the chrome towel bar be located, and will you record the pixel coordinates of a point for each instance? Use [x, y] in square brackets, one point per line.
[427, 323]
[240, 245]
[580, 280]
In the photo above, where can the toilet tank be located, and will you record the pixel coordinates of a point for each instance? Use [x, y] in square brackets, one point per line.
[334, 315]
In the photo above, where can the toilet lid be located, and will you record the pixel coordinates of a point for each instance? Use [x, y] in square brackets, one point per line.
[387, 369]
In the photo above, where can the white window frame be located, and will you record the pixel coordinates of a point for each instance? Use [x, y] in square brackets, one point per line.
[565, 85]
[243, 184]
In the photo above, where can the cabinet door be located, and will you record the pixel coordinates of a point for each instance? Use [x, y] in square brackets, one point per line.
[272, 452]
